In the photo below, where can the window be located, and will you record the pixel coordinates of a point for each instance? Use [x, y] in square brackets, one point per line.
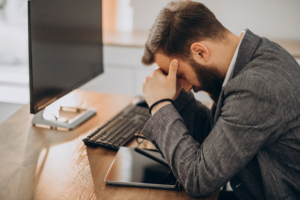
[13, 52]
[13, 34]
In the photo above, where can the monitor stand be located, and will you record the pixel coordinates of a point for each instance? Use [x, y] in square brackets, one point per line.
[67, 119]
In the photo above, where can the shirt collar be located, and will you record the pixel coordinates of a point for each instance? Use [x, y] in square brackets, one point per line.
[232, 63]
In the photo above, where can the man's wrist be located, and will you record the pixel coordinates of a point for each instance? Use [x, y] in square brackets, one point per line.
[159, 106]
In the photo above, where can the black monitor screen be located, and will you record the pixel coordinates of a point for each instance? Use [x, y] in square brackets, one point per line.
[65, 47]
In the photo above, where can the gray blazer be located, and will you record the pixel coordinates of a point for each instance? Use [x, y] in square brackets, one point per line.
[251, 137]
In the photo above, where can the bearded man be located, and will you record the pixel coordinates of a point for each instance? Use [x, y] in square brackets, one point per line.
[251, 135]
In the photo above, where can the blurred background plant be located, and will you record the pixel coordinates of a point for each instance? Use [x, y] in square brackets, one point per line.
[2, 4]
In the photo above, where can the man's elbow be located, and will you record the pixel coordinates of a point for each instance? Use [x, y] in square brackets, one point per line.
[198, 192]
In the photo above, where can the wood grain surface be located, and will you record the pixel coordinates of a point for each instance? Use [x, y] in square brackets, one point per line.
[37, 163]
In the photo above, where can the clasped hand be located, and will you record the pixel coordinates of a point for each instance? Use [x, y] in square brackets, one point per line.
[159, 86]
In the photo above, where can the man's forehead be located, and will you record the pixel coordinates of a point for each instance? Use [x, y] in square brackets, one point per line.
[163, 61]
[160, 56]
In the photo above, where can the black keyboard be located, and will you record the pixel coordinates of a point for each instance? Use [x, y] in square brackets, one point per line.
[120, 129]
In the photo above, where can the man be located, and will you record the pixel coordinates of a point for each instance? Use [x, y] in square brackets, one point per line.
[251, 135]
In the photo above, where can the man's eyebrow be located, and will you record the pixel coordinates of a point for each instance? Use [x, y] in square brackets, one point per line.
[179, 73]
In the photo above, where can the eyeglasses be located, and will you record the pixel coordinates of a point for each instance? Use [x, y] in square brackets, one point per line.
[139, 138]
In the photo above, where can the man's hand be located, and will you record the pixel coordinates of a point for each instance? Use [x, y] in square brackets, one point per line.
[158, 86]
[178, 90]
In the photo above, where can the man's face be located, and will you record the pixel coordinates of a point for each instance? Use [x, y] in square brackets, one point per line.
[192, 75]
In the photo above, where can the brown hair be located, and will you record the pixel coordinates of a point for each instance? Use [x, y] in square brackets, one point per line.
[178, 26]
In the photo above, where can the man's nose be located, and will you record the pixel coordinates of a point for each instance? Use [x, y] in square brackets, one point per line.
[186, 85]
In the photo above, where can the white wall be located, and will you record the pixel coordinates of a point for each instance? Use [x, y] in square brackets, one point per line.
[268, 18]
[8, 109]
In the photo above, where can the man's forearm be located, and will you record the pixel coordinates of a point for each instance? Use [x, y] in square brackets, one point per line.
[173, 139]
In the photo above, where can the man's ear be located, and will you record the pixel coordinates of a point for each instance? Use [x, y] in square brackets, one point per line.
[199, 52]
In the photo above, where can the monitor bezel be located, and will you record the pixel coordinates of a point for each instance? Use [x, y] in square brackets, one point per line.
[35, 109]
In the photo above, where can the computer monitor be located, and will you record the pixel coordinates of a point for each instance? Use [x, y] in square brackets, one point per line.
[65, 50]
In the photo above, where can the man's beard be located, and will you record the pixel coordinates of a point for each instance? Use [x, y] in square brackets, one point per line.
[210, 79]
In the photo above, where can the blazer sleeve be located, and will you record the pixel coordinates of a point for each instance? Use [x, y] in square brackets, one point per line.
[195, 115]
[250, 119]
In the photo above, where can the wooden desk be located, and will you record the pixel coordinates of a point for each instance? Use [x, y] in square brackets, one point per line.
[46, 164]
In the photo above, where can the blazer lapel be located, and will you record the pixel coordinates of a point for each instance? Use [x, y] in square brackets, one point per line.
[246, 52]
[218, 107]
[245, 55]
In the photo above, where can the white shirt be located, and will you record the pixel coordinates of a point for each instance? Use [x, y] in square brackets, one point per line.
[232, 63]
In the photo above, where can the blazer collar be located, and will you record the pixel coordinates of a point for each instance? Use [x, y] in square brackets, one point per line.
[246, 51]
[245, 54]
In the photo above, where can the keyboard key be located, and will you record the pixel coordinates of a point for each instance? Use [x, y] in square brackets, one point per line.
[120, 128]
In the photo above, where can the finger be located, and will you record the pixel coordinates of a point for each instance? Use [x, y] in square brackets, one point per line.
[147, 78]
[158, 71]
[178, 90]
[173, 70]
